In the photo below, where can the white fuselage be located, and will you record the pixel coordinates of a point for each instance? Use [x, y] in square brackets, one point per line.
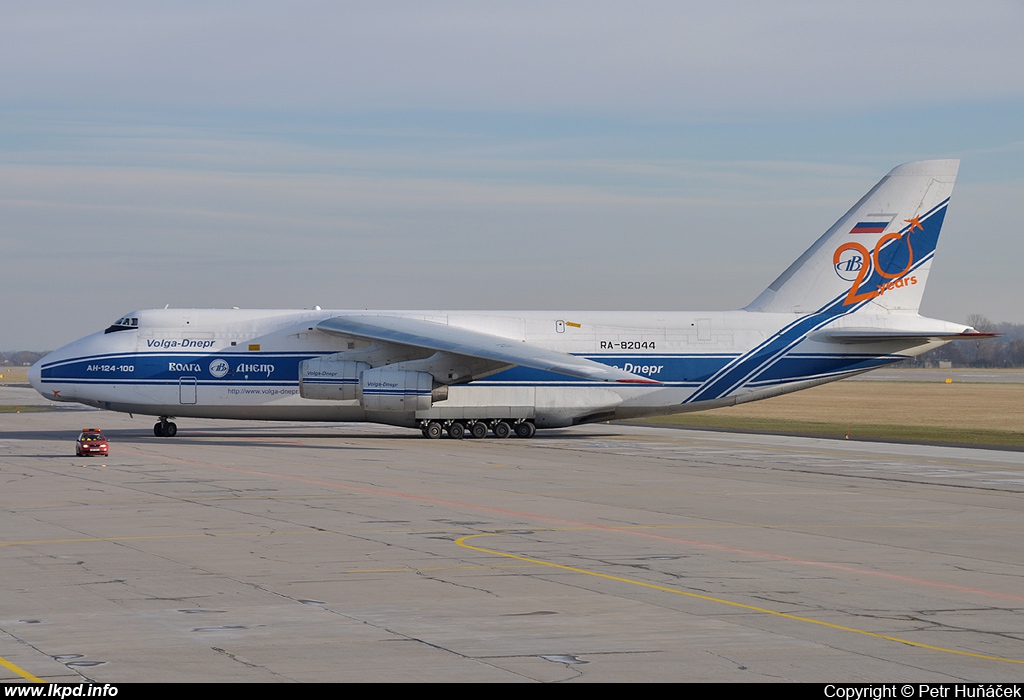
[245, 364]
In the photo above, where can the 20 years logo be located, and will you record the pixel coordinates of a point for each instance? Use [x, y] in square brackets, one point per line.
[853, 261]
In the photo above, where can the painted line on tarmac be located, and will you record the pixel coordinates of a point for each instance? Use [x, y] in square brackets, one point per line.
[462, 542]
[20, 671]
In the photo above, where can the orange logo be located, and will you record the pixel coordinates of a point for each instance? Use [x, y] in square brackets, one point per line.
[851, 260]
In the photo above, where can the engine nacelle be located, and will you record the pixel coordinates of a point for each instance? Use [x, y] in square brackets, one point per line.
[330, 380]
[395, 390]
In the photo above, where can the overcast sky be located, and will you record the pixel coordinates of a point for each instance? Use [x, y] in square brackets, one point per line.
[590, 155]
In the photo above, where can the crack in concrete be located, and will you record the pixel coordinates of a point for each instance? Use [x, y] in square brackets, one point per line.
[250, 664]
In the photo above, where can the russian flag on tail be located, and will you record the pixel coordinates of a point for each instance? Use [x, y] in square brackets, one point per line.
[870, 226]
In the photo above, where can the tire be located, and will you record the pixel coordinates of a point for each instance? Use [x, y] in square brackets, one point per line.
[478, 430]
[501, 429]
[525, 429]
[170, 430]
[456, 431]
[433, 430]
[158, 429]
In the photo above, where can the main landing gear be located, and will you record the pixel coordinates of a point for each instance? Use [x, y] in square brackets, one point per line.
[458, 429]
[165, 428]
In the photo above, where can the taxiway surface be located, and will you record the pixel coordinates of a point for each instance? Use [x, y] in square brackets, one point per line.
[299, 552]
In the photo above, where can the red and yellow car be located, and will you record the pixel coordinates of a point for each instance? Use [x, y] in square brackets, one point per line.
[92, 441]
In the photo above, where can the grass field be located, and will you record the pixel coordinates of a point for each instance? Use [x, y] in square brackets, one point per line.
[988, 414]
[23, 409]
[13, 375]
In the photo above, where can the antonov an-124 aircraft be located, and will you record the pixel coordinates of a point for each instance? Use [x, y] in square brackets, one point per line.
[847, 305]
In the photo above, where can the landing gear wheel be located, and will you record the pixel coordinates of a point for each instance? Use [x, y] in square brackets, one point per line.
[478, 430]
[525, 429]
[432, 430]
[165, 429]
[456, 431]
[501, 429]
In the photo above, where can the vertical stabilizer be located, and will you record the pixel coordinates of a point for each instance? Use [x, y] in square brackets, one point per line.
[878, 253]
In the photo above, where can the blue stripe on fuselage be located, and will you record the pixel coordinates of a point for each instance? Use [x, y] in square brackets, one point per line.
[149, 368]
[670, 370]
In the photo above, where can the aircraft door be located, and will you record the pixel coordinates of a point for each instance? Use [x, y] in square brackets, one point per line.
[187, 390]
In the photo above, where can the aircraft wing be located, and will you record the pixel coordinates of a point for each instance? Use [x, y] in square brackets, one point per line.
[474, 344]
[881, 335]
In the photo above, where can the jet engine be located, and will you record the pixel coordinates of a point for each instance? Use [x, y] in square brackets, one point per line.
[380, 389]
[395, 390]
[330, 380]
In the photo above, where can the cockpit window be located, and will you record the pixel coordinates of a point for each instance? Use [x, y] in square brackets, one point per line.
[124, 323]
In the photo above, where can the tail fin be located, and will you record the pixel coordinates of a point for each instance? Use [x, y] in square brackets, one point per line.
[879, 253]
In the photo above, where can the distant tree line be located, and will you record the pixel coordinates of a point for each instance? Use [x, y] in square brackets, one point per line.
[19, 358]
[1005, 351]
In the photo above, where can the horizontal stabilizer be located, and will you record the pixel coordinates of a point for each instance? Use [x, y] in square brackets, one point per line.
[883, 335]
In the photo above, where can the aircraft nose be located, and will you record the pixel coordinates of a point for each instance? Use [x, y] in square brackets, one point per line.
[34, 373]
